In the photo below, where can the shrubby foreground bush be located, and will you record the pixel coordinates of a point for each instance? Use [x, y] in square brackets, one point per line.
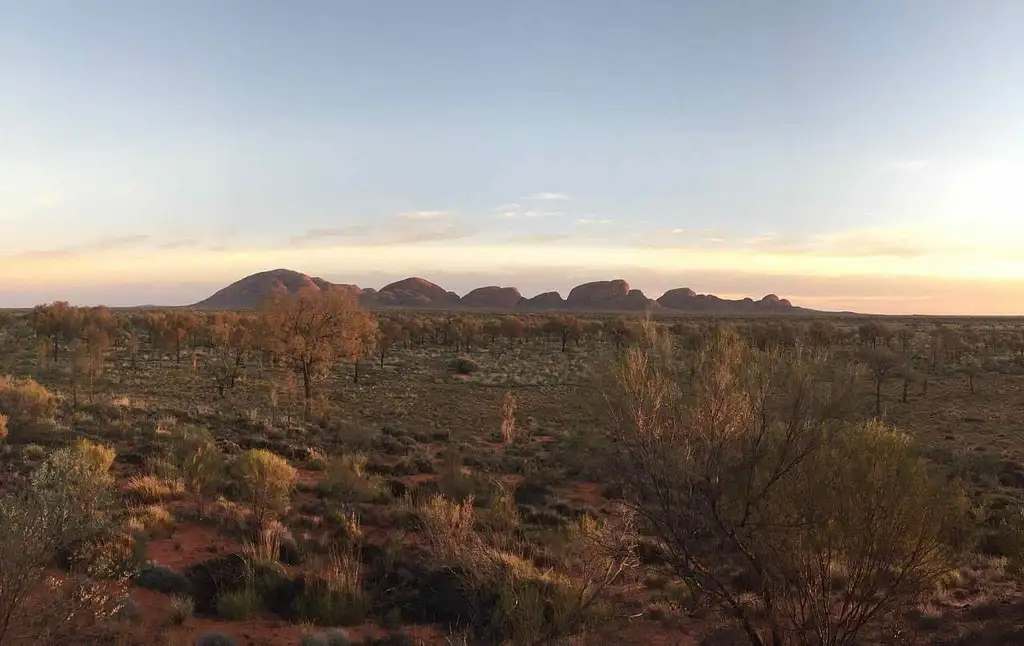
[61, 507]
[803, 525]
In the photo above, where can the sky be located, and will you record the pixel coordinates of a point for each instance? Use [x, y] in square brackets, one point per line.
[864, 156]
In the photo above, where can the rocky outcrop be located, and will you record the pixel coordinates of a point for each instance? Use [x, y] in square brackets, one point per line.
[252, 291]
[493, 297]
[544, 301]
[415, 292]
[596, 295]
[606, 295]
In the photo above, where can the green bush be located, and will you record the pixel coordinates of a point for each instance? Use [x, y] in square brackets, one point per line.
[335, 596]
[464, 366]
[239, 605]
[348, 480]
[198, 461]
[162, 578]
[28, 406]
[320, 604]
[265, 481]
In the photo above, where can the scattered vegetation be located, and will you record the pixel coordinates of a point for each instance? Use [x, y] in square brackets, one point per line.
[776, 481]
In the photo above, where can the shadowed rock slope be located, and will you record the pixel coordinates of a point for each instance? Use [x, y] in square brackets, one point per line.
[605, 295]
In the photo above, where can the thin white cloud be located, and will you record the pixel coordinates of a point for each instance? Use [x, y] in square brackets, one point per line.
[423, 215]
[546, 196]
[543, 214]
[588, 221]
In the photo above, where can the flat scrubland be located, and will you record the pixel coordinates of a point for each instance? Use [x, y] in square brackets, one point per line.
[437, 478]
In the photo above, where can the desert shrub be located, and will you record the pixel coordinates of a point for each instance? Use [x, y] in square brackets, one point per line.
[63, 610]
[501, 515]
[28, 406]
[335, 595]
[464, 366]
[63, 504]
[215, 639]
[109, 555]
[150, 489]
[162, 578]
[78, 475]
[239, 605]
[508, 418]
[3, 428]
[769, 495]
[198, 461]
[182, 609]
[265, 481]
[151, 520]
[509, 597]
[348, 480]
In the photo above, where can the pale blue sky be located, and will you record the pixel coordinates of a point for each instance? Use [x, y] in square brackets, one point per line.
[250, 125]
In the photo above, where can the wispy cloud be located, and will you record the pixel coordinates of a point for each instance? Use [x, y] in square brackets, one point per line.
[592, 220]
[423, 215]
[401, 228]
[112, 243]
[546, 196]
[543, 214]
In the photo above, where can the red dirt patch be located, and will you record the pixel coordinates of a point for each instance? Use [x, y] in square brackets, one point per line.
[586, 492]
[188, 545]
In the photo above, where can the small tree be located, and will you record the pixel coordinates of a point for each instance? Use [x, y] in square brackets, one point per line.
[970, 368]
[58, 322]
[313, 329]
[766, 495]
[265, 480]
[882, 363]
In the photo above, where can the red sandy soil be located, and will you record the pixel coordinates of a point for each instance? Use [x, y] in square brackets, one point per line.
[586, 492]
[188, 545]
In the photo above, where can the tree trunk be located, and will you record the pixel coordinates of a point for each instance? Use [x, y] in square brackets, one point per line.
[355, 373]
[307, 390]
[905, 384]
[878, 397]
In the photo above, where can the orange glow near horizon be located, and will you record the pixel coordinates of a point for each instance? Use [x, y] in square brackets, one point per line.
[944, 277]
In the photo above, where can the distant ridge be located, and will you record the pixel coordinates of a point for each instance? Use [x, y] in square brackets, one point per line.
[605, 295]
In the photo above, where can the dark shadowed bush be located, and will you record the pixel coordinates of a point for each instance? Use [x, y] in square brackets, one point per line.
[215, 639]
